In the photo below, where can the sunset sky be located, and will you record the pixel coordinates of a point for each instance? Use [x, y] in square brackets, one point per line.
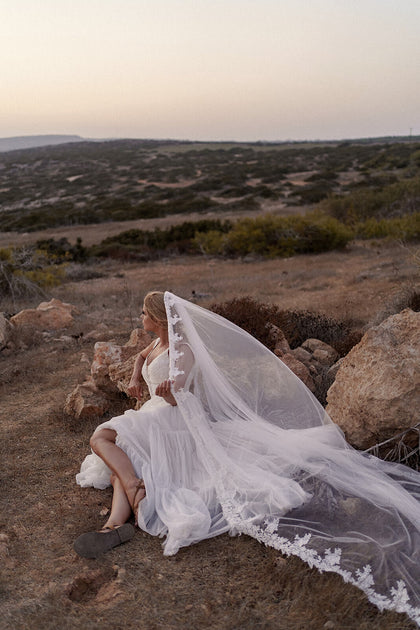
[210, 69]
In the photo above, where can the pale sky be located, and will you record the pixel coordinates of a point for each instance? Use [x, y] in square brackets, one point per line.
[210, 69]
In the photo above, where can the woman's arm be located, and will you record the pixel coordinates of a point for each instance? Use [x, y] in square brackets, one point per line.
[185, 365]
[134, 387]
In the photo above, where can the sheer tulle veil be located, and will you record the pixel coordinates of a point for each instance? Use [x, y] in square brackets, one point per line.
[282, 471]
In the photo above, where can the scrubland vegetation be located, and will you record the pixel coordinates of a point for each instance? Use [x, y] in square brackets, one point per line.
[320, 197]
[351, 190]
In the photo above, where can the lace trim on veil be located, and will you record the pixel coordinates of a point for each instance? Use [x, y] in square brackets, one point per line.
[266, 529]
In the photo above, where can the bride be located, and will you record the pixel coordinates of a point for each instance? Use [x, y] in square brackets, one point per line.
[232, 441]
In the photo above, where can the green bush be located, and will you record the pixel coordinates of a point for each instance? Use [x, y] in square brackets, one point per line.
[405, 228]
[144, 244]
[25, 272]
[273, 236]
[394, 200]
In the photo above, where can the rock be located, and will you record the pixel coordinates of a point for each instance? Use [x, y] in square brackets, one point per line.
[110, 374]
[302, 355]
[54, 303]
[320, 351]
[376, 393]
[299, 369]
[120, 375]
[6, 331]
[99, 333]
[105, 353]
[332, 371]
[108, 353]
[86, 401]
[52, 315]
[280, 342]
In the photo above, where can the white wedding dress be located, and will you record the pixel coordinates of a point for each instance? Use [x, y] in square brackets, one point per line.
[248, 449]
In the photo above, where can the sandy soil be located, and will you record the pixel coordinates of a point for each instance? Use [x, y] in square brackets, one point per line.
[224, 583]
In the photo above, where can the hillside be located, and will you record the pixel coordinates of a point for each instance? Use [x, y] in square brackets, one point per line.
[15, 143]
[83, 183]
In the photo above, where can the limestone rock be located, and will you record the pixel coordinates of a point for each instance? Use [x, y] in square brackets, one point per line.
[299, 369]
[120, 375]
[280, 341]
[105, 353]
[6, 331]
[320, 351]
[302, 355]
[376, 393]
[52, 315]
[86, 401]
[54, 303]
[108, 353]
[110, 374]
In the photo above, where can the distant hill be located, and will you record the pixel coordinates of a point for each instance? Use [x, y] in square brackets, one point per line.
[27, 142]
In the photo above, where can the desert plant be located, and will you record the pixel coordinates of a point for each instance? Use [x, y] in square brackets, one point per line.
[27, 272]
[297, 326]
[272, 236]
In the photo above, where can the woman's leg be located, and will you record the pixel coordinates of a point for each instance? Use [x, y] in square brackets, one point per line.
[103, 444]
[121, 509]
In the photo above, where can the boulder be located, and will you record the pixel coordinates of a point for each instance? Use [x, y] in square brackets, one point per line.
[320, 351]
[120, 375]
[53, 315]
[86, 401]
[302, 355]
[280, 342]
[6, 331]
[376, 393]
[299, 369]
[105, 353]
[110, 374]
[109, 353]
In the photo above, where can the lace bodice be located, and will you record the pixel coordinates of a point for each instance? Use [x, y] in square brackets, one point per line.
[156, 372]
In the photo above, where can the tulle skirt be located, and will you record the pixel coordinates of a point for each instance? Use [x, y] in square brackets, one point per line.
[180, 502]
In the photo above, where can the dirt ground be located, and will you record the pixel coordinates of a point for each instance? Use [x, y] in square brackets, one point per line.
[224, 583]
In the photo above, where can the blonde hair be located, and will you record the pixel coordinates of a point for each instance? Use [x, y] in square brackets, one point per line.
[155, 306]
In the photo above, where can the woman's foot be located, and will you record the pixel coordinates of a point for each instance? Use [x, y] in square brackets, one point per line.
[135, 494]
[93, 544]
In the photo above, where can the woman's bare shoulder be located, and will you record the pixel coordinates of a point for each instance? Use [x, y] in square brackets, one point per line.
[148, 349]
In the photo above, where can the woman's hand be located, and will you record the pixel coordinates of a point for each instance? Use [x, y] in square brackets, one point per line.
[134, 389]
[164, 390]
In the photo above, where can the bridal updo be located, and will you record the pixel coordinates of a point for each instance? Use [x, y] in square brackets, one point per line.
[155, 306]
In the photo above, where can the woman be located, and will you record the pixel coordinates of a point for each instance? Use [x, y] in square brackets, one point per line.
[231, 440]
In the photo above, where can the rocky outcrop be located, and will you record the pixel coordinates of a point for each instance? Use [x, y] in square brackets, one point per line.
[86, 401]
[376, 393]
[311, 361]
[110, 374]
[53, 315]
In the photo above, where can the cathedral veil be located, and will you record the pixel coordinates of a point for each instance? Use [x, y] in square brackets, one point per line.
[282, 471]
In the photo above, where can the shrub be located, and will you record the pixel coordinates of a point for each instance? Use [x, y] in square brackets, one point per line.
[394, 200]
[144, 244]
[277, 236]
[25, 272]
[62, 251]
[404, 228]
[297, 326]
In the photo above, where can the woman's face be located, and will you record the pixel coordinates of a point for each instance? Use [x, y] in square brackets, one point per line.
[148, 324]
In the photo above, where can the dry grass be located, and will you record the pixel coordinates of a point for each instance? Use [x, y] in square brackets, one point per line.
[224, 583]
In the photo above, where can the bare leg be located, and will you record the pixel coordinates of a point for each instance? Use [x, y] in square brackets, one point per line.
[103, 444]
[121, 509]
